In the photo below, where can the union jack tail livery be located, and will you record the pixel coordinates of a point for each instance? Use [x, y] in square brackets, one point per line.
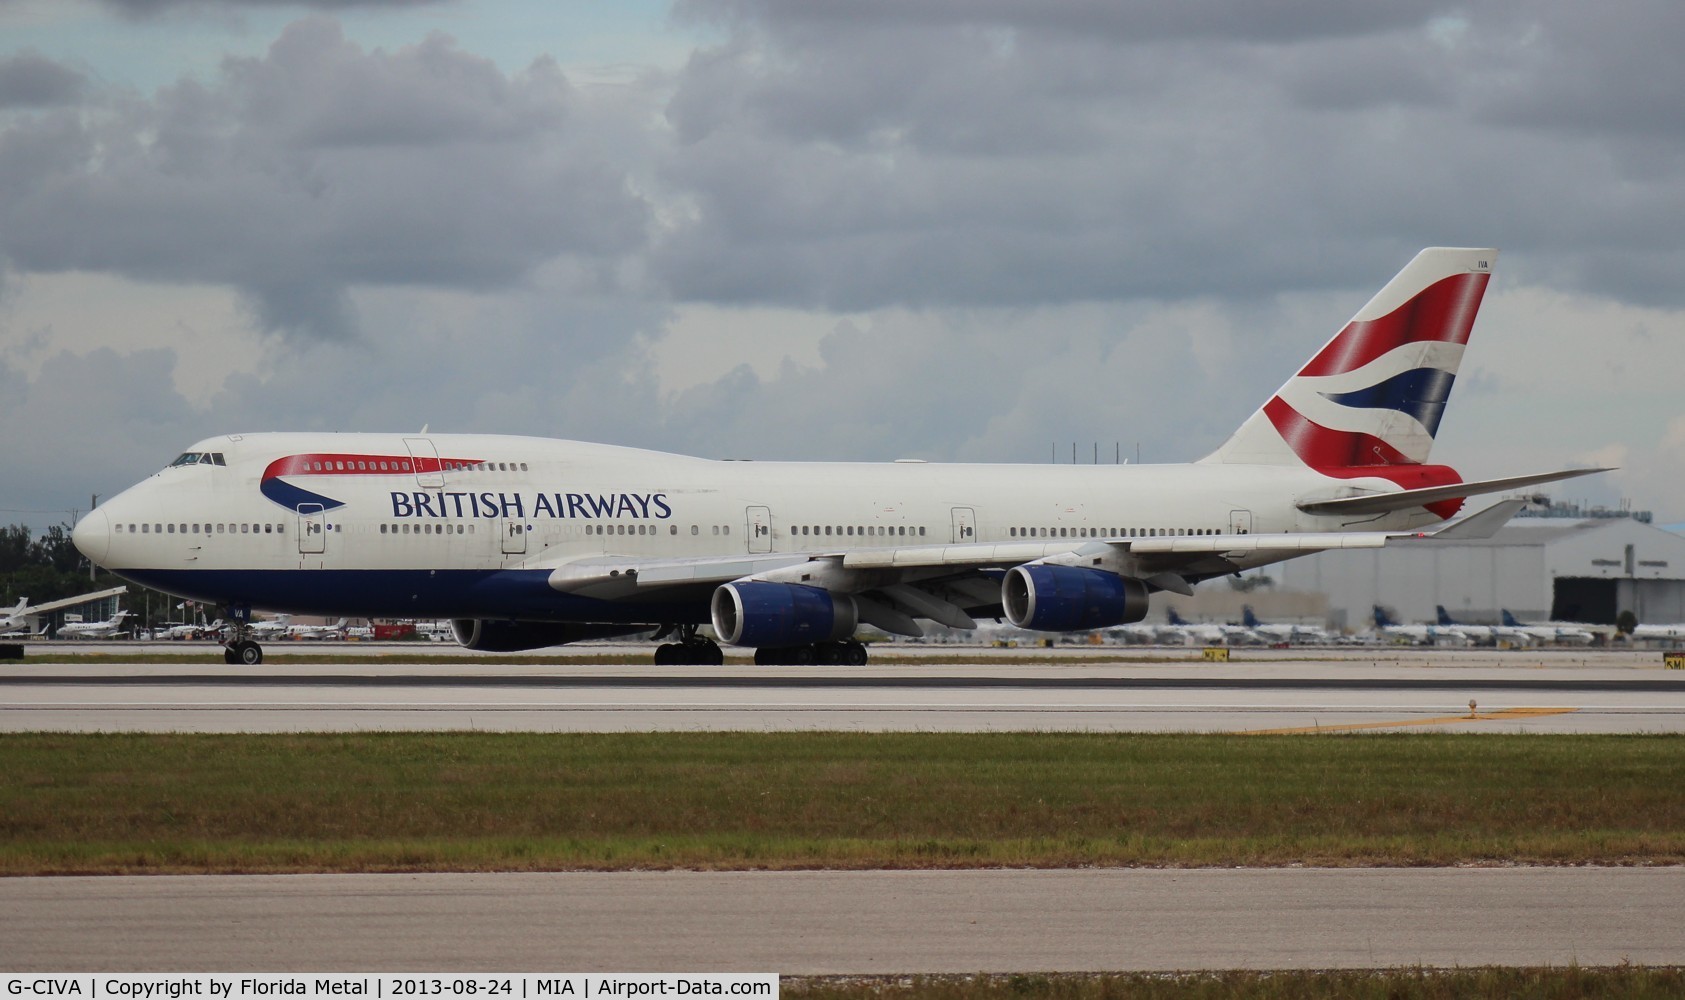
[1369, 403]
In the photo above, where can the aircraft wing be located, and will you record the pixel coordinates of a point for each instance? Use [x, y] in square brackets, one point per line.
[70, 602]
[1168, 562]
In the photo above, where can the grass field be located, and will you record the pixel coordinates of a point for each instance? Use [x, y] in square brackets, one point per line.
[1629, 983]
[466, 802]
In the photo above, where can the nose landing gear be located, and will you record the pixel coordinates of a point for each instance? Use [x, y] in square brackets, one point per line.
[238, 646]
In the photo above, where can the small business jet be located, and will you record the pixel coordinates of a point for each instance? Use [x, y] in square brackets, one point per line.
[109, 629]
[527, 542]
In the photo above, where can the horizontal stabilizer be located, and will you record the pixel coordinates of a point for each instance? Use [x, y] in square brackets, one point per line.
[1482, 525]
[1382, 503]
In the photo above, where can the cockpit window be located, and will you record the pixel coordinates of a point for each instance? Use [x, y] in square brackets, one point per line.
[199, 458]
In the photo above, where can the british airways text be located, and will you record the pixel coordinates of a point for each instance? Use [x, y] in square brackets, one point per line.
[444, 503]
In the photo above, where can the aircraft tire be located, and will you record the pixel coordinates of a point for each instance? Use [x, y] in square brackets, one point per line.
[829, 653]
[249, 653]
[702, 654]
[854, 653]
[667, 654]
[228, 655]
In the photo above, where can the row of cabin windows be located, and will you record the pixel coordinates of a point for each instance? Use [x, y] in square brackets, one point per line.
[200, 529]
[899, 530]
[426, 528]
[375, 465]
[1107, 532]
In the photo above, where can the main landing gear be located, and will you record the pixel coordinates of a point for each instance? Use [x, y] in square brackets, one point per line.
[691, 650]
[848, 652]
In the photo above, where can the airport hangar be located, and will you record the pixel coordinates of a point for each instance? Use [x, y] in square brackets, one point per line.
[1581, 569]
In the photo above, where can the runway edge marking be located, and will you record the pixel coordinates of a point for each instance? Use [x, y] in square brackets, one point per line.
[1499, 716]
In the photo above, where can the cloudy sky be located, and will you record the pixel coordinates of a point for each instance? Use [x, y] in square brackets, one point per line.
[837, 229]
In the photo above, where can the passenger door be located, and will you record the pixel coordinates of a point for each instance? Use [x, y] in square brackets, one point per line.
[312, 529]
[965, 525]
[760, 529]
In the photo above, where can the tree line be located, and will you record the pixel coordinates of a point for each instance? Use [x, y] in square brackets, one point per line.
[49, 567]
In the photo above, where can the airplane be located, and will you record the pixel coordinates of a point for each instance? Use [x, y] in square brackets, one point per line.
[271, 628]
[1562, 633]
[25, 619]
[1281, 632]
[110, 628]
[1483, 634]
[528, 542]
[334, 631]
[1413, 634]
[1660, 633]
[1207, 633]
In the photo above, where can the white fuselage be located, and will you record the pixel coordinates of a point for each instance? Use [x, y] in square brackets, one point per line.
[471, 507]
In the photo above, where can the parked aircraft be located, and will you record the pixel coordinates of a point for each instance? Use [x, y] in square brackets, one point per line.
[528, 542]
[30, 620]
[1484, 635]
[1208, 633]
[334, 631]
[1414, 634]
[1660, 633]
[109, 629]
[1281, 631]
[1561, 633]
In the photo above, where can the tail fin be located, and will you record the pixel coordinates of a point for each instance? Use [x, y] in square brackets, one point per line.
[1382, 619]
[1174, 618]
[1373, 395]
[1444, 615]
[1247, 618]
[1508, 619]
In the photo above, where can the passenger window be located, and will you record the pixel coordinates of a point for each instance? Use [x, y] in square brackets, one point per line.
[672, 529]
[694, 529]
[725, 529]
[523, 466]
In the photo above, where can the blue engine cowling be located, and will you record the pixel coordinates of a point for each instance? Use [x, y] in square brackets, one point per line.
[509, 637]
[780, 614]
[1065, 599]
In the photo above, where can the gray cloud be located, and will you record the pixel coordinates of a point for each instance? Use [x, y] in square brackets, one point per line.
[317, 168]
[939, 154]
[31, 80]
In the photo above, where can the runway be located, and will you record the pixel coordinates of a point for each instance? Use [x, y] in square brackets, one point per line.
[849, 922]
[1086, 690]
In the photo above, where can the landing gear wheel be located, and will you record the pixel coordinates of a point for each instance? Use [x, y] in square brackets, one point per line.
[692, 652]
[228, 655]
[854, 653]
[703, 653]
[249, 653]
[829, 653]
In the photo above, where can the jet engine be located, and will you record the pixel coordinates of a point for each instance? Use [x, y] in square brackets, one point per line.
[747, 613]
[508, 637]
[1064, 599]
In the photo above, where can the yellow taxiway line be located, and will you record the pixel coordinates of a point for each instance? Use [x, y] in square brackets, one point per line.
[1443, 720]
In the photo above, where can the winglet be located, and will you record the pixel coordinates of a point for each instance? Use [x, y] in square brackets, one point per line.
[1482, 525]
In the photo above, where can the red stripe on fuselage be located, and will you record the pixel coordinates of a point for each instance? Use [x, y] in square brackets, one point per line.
[1443, 311]
[336, 464]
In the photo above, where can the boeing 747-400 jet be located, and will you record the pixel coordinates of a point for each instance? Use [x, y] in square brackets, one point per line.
[530, 542]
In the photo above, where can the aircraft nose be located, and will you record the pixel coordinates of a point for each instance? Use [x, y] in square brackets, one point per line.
[92, 536]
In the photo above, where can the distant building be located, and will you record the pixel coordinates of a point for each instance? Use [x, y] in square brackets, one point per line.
[1563, 569]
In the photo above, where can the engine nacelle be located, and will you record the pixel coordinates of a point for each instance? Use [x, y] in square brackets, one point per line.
[780, 614]
[510, 637]
[1065, 599]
